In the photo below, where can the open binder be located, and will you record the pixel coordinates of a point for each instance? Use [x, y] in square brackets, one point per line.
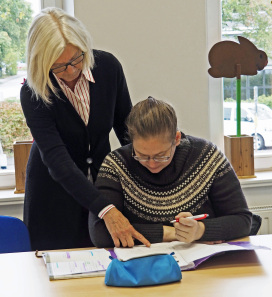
[188, 255]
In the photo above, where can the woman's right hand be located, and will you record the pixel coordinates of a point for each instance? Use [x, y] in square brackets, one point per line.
[188, 230]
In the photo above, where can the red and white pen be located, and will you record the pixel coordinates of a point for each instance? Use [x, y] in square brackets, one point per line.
[197, 218]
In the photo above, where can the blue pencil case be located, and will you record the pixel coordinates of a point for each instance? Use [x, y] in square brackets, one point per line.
[145, 271]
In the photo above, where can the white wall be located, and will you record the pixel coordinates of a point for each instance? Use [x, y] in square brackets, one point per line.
[163, 47]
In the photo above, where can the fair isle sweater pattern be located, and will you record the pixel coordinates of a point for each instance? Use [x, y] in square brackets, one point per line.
[187, 191]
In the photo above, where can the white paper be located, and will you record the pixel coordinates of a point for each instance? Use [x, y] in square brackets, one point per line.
[77, 262]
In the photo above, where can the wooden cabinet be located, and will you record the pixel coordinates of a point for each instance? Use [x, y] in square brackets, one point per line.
[21, 154]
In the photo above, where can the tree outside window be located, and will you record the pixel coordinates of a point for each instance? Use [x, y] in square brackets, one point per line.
[15, 19]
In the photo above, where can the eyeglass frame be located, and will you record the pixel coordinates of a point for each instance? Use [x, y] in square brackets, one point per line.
[139, 159]
[69, 63]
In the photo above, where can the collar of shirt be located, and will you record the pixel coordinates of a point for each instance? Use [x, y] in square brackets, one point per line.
[88, 75]
[80, 97]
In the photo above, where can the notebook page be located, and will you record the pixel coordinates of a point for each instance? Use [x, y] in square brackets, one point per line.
[72, 263]
[194, 251]
[68, 256]
[76, 267]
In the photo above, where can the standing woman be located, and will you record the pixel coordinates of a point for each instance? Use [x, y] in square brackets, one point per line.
[72, 98]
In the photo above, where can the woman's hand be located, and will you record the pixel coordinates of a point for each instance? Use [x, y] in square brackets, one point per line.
[121, 230]
[188, 230]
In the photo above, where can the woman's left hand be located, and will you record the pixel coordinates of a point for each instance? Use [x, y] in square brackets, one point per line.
[188, 230]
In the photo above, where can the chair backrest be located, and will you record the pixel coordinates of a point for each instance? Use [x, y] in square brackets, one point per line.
[14, 236]
[256, 224]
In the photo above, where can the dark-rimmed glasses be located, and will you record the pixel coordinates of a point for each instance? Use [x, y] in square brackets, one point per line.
[156, 159]
[74, 62]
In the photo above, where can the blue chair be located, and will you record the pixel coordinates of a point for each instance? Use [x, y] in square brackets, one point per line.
[14, 236]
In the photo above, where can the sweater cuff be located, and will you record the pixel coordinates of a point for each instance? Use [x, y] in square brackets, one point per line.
[152, 232]
[105, 210]
[213, 231]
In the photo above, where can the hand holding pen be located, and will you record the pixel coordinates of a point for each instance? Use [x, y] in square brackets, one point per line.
[189, 230]
[197, 218]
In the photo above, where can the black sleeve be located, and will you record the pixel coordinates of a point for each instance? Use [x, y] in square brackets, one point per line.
[108, 183]
[54, 153]
[232, 216]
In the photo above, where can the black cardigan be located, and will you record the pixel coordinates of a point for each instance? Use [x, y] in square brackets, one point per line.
[58, 195]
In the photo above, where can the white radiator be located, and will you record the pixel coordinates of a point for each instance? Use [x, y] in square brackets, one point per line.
[265, 212]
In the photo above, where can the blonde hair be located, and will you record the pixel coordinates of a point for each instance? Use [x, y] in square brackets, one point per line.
[49, 34]
[152, 117]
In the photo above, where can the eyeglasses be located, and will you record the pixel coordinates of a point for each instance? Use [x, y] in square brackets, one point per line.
[156, 159]
[74, 62]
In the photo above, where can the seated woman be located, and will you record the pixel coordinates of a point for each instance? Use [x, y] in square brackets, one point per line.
[164, 174]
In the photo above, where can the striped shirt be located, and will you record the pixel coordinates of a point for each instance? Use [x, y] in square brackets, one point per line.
[80, 98]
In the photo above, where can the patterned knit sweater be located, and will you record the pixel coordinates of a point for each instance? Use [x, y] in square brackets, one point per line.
[198, 180]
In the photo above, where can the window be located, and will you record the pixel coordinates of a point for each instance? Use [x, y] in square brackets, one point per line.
[263, 80]
[15, 19]
[13, 72]
[227, 113]
[251, 19]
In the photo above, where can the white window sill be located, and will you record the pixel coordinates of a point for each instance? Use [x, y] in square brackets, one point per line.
[262, 179]
[263, 161]
[7, 197]
[7, 179]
